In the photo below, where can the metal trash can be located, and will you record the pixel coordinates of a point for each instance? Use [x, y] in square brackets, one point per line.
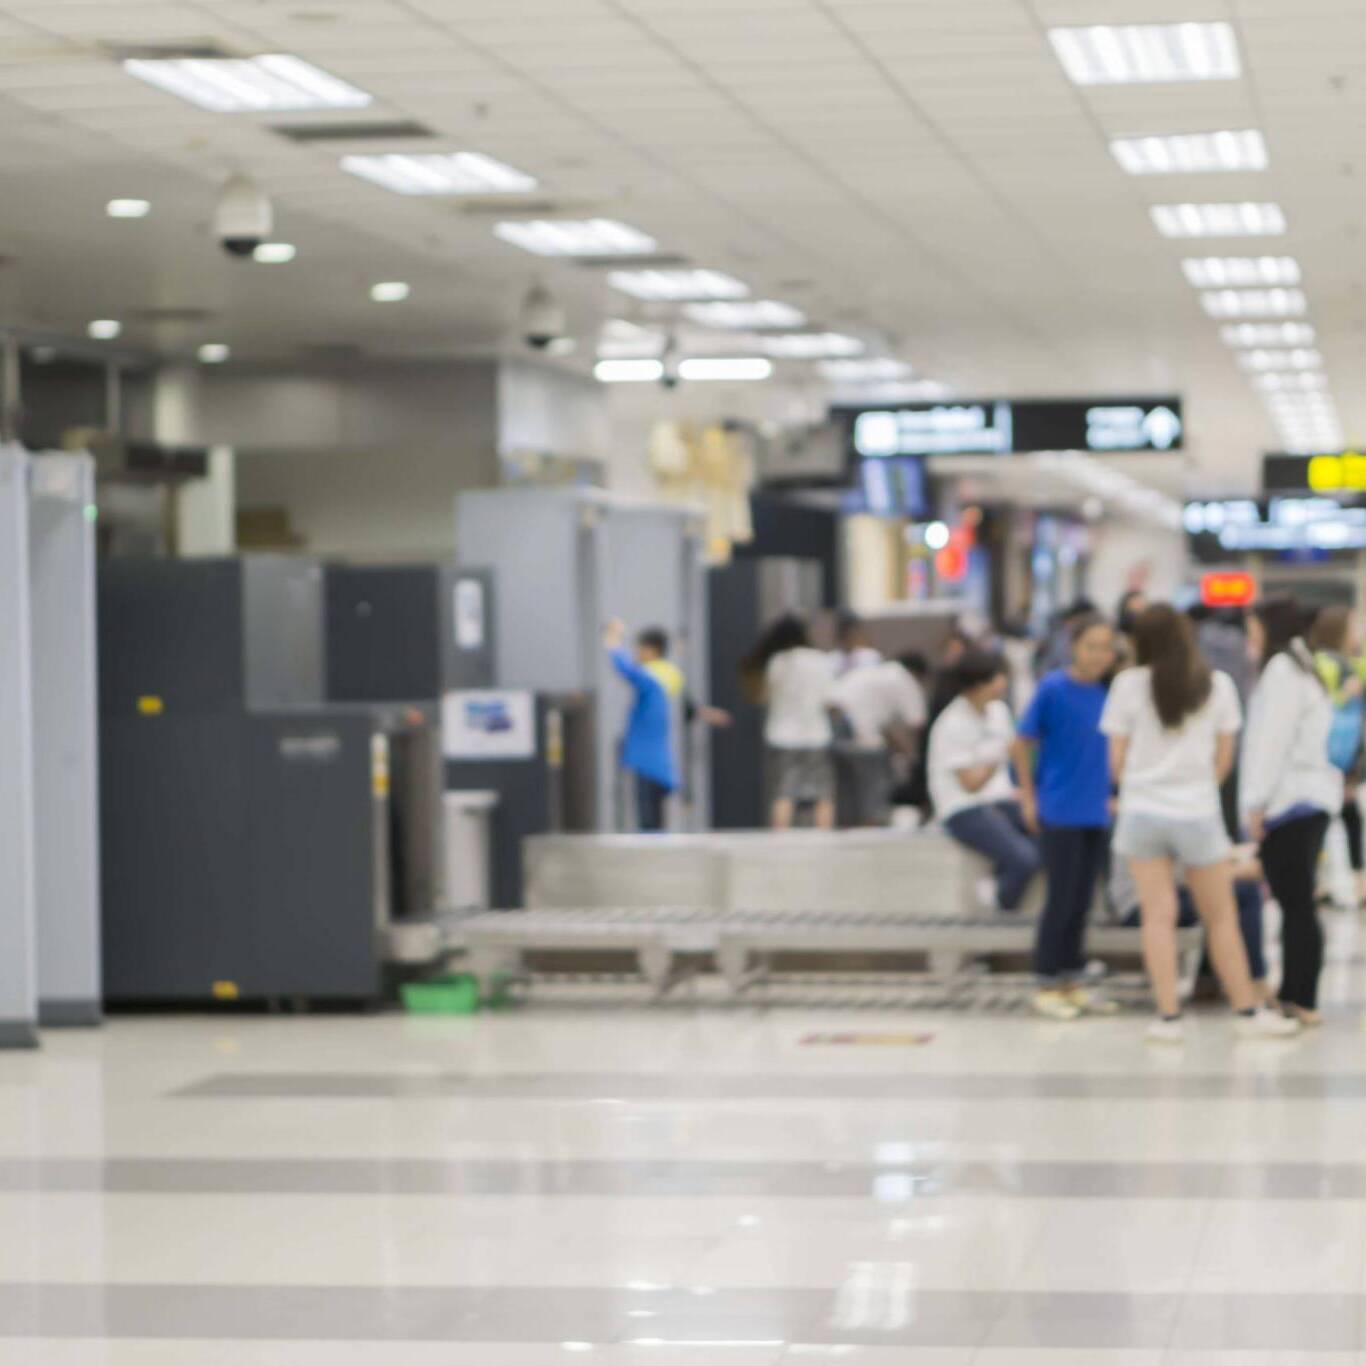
[468, 819]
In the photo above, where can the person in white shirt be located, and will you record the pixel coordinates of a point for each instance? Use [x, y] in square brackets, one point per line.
[970, 784]
[855, 650]
[1173, 725]
[1289, 791]
[878, 703]
[796, 682]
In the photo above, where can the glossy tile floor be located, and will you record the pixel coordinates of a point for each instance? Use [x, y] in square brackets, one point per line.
[633, 1186]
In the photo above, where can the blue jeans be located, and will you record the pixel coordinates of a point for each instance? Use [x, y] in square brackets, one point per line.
[998, 832]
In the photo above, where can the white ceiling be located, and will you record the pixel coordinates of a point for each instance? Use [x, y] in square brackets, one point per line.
[920, 170]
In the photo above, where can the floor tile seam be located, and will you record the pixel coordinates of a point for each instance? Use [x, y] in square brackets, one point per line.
[1188, 1289]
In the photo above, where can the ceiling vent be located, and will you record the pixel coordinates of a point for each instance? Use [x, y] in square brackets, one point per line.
[661, 260]
[207, 50]
[188, 317]
[379, 130]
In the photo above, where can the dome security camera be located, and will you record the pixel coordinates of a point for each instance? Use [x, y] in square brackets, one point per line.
[244, 217]
[543, 319]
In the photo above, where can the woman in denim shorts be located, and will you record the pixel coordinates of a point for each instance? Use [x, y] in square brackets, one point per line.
[1173, 726]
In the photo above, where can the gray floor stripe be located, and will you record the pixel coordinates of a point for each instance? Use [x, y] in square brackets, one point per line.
[883, 1183]
[889, 1086]
[891, 1317]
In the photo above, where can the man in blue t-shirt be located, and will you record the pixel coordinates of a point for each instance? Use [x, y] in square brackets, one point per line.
[1066, 801]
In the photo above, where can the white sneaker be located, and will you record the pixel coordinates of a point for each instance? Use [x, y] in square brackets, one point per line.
[985, 892]
[1266, 1024]
[1056, 1005]
[1167, 1031]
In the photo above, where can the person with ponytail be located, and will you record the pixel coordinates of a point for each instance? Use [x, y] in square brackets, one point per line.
[1290, 792]
[1173, 726]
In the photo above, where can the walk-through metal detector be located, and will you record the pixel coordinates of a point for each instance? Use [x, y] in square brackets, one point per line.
[18, 890]
[65, 738]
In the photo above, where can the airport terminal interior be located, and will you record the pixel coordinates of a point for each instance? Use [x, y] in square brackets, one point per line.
[682, 683]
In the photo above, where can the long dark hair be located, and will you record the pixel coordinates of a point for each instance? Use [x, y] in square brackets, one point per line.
[1283, 620]
[787, 633]
[1164, 642]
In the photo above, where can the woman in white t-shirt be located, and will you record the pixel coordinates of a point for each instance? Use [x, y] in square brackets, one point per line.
[796, 683]
[1173, 727]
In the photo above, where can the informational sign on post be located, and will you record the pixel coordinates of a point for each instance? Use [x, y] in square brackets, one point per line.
[488, 725]
[469, 614]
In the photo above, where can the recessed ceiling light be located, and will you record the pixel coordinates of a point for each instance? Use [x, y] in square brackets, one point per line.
[619, 339]
[1301, 358]
[1269, 334]
[1192, 153]
[864, 371]
[214, 353]
[638, 371]
[274, 253]
[677, 286]
[576, 237]
[1254, 303]
[1219, 220]
[1223, 272]
[813, 345]
[104, 329]
[1128, 54]
[748, 313]
[1279, 381]
[128, 208]
[233, 85]
[725, 368]
[389, 291]
[439, 173]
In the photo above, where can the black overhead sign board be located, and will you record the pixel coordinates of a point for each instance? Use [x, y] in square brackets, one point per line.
[1330, 476]
[1004, 427]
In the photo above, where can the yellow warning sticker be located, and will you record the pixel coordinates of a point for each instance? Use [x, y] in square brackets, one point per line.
[225, 991]
[151, 706]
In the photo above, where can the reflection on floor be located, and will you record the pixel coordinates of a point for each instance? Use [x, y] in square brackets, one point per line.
[636, 1186]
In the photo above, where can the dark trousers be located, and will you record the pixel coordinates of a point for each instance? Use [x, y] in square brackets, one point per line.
[650, 799]
[1073, 857]
[1356, 845]
[998, 831]
[1290, 856]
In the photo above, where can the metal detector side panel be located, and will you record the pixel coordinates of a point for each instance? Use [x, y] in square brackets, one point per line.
[66, 808]
[18, 954]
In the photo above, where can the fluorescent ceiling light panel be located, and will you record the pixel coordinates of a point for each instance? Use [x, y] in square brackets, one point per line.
[621, 339]
[389, 291]
[747, 313]
[1280, 382]
[104, 329]
[725, 368]
[864, 371]
[677, 286]
[439, 173]
[1240, 272]
[1298, 359]
[1133, 54]
[1254, 303]
[628, 371]
[128, 208]
[214, 353]
[1192, 153]
[274, 83]
[813, 346]
[1219, 220]
[576, 237]
[275, 253]
[1269, 334]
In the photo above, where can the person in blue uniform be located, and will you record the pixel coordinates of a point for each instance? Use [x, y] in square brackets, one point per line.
[649, 751]
[1066, 802]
